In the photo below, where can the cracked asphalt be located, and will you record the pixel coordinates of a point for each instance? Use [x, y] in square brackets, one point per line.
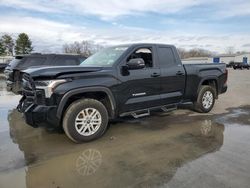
[178, 149]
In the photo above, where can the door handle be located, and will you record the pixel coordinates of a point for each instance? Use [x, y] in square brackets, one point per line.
[155, 74]
[179, 73]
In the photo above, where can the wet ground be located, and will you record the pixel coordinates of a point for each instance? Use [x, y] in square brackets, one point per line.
[180, 149]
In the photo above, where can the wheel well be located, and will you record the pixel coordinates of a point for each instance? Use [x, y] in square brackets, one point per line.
[100, 96]
[213, 83]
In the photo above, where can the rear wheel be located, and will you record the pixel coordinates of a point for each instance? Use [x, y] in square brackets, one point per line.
[205, 100]
[85, 120]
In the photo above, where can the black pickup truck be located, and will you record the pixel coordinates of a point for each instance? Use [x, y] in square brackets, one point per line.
[117, 81]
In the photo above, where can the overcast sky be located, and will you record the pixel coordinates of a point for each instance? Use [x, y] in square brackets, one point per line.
[213, 25]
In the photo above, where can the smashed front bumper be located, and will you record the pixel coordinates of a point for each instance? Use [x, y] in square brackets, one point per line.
[34, 107]
[38, 115]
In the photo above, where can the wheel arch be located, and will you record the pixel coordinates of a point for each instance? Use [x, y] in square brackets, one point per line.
[91, 92]
[210, 81]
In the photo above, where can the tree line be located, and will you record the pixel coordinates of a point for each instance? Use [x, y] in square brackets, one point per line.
[23, 45]
[196, 52]
[10, 47]
[88, 48]
[85, 48]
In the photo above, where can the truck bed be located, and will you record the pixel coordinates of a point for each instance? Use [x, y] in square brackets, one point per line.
[195, 73]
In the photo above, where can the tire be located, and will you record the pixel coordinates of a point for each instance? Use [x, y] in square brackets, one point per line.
[87, 127]
[203, 104]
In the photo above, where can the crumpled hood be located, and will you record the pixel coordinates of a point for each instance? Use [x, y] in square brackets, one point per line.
[56, 71]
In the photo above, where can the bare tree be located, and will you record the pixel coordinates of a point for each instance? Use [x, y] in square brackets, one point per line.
[85, 48]
[182, 52]
[230, 50]
[193, 53]
[241, 52]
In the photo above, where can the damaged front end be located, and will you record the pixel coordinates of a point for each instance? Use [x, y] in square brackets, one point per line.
[33, 105]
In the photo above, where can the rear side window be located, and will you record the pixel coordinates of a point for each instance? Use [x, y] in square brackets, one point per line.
[32, 61]
[166, 57]
[62, 61]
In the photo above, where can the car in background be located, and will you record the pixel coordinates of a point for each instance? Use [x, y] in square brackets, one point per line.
[4, 61]
[241, 66]
[3, 66]
[21, 62]
[230, 64]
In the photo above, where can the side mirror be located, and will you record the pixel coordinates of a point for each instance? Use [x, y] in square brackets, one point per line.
[137, 63]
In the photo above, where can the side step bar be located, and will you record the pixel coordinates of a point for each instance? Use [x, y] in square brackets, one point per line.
[138, 114]
[146, 112]
[168, 109]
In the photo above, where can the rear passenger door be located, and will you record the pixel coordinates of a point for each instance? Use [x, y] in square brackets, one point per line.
[172, 75]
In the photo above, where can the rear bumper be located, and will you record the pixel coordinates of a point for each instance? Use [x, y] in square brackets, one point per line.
[38, 115]
[224, 89]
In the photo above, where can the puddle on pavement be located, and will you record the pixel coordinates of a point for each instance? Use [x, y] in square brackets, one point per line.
[140, 157]
[161, 150]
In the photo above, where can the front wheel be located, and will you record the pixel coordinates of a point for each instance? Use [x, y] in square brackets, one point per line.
[85, 120]
[205, 100]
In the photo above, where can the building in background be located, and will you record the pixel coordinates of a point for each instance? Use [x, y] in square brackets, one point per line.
[223, 58]
[242, 58]
[195, 60]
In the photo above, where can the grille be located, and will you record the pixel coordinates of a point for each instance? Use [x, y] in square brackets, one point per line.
[29, 91]
[32, 95]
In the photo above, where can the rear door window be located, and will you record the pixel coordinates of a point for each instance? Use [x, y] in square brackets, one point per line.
[166, 57]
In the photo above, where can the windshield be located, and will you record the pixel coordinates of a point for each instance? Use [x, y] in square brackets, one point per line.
[105, 57]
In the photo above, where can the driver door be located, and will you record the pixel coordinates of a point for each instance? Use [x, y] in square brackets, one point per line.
[140, 88]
